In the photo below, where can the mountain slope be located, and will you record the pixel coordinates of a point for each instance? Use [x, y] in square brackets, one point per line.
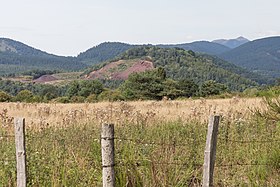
[109, 50]
[232, 43]
[121, 69]
[179, 63]
[262, 56]
[15, 47]
[17, 57]
[201, 47]
[103, 52]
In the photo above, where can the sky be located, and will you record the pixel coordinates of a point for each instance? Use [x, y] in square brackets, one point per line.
[69, 27]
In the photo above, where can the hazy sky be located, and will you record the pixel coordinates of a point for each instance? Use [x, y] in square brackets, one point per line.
[68, 27]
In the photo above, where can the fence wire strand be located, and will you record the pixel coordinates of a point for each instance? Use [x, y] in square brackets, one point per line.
[249, 141]
[242, 164]
[7, 136]
[9, 160]
[140, 163]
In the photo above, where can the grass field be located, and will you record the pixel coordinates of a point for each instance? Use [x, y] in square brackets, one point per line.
[157, 143]
[41, 114]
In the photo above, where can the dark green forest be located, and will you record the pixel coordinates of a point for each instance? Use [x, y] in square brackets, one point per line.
[15, 63]
[103, 52]
[149, 85]
[178, 73]
[181, 64]
[261, 56]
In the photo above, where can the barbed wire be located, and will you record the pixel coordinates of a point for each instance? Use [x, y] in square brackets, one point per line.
[249, 141]
[140, 163]
[170, 143]
[8, 160]
[7, 136]
[143, 142]
[242, 164]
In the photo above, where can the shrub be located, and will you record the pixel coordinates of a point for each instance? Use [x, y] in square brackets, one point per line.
[110, 95]
[92, 98]
[77, 99]
[4, 97]
[24, 96]
[61, 100]
[273, 109]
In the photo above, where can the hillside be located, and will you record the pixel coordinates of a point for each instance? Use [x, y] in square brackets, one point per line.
[120, 70]
[179, 64]
[232, 43]
[262, 56]
[15, 47]
[17, 57]
[103, 52]
[200, 47]
[110, 50]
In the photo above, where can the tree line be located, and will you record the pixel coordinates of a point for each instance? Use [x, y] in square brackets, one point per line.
[149, 85]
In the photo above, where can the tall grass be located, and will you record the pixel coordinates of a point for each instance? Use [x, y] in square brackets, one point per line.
[149, 151]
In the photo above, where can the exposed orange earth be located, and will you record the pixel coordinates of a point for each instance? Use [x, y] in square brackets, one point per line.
[120, 70]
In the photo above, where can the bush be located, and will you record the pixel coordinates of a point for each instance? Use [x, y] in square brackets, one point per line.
[92, 98]
[4, 97]
[212, 88]
[24, 96]
[273, 109]
[77, 99]
[61, 100]
[110, 95]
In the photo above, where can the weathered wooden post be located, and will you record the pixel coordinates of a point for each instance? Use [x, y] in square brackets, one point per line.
[108, 160]
[20, 151]
[210, 151]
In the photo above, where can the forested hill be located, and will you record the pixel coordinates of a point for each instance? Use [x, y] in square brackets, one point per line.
[18, 57]
[181, 64]
[262, 56]
[109, 50]
[103, 52]
[201, 47]
[15, 47]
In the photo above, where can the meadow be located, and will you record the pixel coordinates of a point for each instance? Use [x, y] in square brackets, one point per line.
[158, 143]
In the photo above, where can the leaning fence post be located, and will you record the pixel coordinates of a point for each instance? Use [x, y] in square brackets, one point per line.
[210, 151]
[107, 149]
[20, 151]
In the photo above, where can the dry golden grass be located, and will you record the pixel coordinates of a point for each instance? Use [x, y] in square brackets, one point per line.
[158, 143]
[60, 115]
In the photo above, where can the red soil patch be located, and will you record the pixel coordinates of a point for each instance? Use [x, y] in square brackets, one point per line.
[45, 78]
[121, 69]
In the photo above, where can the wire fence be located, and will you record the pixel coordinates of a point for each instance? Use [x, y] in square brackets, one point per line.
[183, 152]
[174, 144]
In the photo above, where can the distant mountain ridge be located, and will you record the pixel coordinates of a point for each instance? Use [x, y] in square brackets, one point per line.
[232, 43]
[261, 56]
[103, 52]
[12, 46]
[109, 50]
[17, 57]
[200, 47]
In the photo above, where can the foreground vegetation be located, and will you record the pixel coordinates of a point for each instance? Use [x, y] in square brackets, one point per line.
[150, 85]
[63, 146]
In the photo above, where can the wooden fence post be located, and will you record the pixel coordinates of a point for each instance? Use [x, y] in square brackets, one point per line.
[210, 151]
[20, 151]
[108, 160]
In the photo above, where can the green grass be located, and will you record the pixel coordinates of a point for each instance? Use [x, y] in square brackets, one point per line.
[68, 75]
[162, 154]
